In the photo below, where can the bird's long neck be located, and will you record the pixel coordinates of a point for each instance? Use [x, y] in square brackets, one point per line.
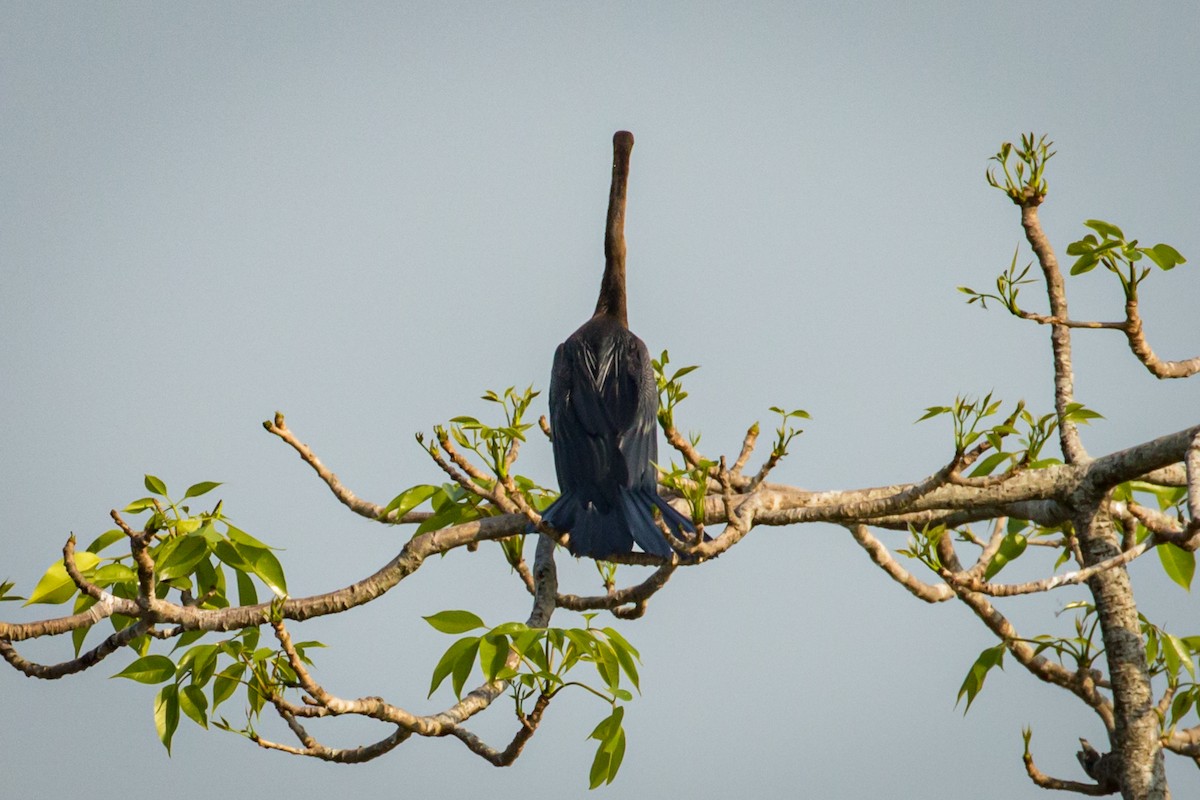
[611, 302]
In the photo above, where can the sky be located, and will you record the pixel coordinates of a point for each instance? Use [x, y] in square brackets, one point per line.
[366, 215]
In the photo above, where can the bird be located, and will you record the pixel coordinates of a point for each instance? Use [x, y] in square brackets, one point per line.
[603, 407]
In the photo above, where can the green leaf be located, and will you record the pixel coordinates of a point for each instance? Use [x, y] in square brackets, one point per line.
[493, 652]
[166, 714]
[226, 683]
[1179, 564]
[104, 540]
[1176, 654]
[1077, 412]
[1085, 263]
[409, 499]
[226, 551]
[626, 655]
[1165, 256]
[989, 464]
[247, 595]
[462, 669]
[114, 573]
[240, 537]
[611, 751]
[607, 726]
[934, 411]
[1181, 705]
[56, 586]
[197, 489]
[156, 486]
[1105, 229]
[82, 603]
[201, 660]
[139, 505]
[267, 567]
[182, 558]
[973, 683]
[193, 703]
[462, 650]
[149, 669]
[454, 621]
[607, 663]
[1011, 547]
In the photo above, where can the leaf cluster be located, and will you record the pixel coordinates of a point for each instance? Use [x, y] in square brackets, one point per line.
[1025, 183]
[492, 444]
[1032, 432]
[538, 660]
[193, 553]
[1108, 246]
[670, 389]
[1008, 287]
[262, 672]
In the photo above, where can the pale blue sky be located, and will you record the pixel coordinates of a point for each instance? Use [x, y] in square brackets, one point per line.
[365, 216]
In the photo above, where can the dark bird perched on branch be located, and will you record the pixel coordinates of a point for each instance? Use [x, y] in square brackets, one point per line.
[603, 406]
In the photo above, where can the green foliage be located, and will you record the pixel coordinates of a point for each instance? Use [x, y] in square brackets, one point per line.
[1179, 564]
[1011, 547]
[1008, 287]
[691, 482]
[409, 499]
[786, 432]
[263, 673]
[454, 621]
[192, 553]
[149, 669]
[56, 586]
[922, 545]
[1108, 246]
[496, 447]
[1078, 651]
[1031, 432]
[670, 389]
[1025, 183]
[452, 505]
[492, 444]
[537, 660]
[972, 685]
[611, 751]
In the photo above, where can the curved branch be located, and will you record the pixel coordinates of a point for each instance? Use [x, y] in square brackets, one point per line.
[884, 559]
[89, 659]
[634, 596]
[1046, 782]
[315, 749]
[1141, 348]
[363, 508]
[505, 757]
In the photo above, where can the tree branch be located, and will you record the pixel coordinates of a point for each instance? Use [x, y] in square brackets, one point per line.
[1060, 334]
[359, 506]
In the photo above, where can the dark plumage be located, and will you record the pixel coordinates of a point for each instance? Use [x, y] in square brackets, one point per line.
[603, 405]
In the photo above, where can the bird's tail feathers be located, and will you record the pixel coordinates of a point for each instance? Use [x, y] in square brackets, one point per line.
[593, 533]
[598, 534]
